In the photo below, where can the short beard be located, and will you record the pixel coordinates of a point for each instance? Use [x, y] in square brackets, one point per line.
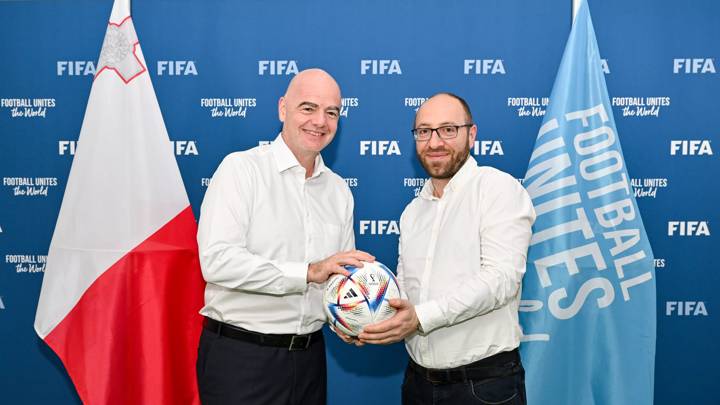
[449, 170]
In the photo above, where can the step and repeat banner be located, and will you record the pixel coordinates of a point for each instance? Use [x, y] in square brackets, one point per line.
[219, 67]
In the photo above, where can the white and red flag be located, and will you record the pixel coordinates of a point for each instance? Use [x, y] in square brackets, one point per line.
[122, 286]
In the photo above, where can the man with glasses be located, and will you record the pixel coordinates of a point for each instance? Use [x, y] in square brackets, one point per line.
[463, 246]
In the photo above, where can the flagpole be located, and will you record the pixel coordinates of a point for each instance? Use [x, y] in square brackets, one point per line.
[575, 6]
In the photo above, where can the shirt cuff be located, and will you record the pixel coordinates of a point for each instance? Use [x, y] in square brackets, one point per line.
[296, 275]
[429, 316]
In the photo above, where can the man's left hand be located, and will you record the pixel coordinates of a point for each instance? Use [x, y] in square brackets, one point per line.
[351, 340]
[403, 323]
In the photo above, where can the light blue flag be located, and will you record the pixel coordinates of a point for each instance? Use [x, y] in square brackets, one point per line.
[588, 304]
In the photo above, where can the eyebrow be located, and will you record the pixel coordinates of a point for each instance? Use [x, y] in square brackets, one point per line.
[308, 104]
[442, 124]
[313, 105]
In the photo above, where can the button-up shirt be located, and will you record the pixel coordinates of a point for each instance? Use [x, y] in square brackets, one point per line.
[261, 224]
[462, 259]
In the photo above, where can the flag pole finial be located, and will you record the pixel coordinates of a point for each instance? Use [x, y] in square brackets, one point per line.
[575, 8]
[120, 10]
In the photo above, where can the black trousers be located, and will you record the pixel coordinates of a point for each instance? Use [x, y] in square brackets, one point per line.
[498, 381]
[232, 372]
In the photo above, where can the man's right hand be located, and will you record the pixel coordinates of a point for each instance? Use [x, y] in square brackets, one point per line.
[320, 271]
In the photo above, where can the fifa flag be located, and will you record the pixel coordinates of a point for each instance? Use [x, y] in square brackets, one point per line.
[588, 304]
[122, 286]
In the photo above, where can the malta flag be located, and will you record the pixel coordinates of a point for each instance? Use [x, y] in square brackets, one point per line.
[122, 287]
[588, 304]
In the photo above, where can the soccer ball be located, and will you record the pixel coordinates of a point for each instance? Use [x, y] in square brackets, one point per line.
[361, 298]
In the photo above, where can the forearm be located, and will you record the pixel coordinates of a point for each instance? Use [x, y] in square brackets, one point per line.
[236, 268]
[488, 290]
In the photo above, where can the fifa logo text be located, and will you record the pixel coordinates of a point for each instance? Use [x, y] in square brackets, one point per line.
[483, 148]
[379, 148]
[277, 67]
[66, 147]
[75, 68]
[184, 148]
[693, 66]
[685, 308]
[688, 228]
[690, 147]
[176, 68]
[484, 66]
[380, 67]
[379, 227]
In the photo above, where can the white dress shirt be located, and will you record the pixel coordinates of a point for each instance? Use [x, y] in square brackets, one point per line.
[261, 224]
[462, 258]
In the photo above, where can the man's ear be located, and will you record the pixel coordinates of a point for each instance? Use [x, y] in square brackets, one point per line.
[282, 109]
[472, 135]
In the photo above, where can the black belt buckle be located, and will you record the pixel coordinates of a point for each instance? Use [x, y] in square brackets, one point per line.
[443, 376]
[299, 342]
[435, 378]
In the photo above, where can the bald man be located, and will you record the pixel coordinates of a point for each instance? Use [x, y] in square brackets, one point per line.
[275, 223]
[463, 246]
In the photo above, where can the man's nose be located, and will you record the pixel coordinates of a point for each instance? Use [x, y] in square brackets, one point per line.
[319, 119]
[435, 141]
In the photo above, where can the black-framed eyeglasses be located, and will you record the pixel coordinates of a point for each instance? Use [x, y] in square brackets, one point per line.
[444, 132]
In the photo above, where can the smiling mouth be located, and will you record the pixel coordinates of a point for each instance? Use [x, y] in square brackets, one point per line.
[436, 155]
[313, 133]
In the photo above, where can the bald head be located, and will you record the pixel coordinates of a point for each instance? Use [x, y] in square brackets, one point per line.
[447, 100]
[312, 79]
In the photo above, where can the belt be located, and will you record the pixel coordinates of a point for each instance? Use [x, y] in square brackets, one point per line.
[290, 342]
[499, 365]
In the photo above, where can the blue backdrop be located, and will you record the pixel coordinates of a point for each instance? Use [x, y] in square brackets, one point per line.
[660, 63]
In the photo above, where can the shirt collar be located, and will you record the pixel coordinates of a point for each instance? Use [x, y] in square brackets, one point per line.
[460, 178]
[285, 159]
